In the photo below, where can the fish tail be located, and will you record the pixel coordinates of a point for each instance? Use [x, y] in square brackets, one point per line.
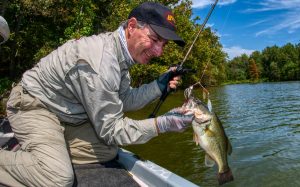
[225, 177]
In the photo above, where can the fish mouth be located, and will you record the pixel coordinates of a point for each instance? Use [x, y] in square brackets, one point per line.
[202, 122]
[202, 125]
[202, 117]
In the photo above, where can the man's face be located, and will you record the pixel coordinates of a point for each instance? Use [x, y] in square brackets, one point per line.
[144, 44]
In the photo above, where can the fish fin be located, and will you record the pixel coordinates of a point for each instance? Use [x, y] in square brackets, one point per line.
[229, 147]
[209, 132]
[209, 105]
[225, 177]
[196, 139]
[209, 162]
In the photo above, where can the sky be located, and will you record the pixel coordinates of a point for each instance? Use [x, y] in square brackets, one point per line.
[245, 26]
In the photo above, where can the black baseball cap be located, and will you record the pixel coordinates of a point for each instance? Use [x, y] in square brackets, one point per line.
[160, 19]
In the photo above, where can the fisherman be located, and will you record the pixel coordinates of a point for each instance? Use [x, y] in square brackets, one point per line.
[70, 107]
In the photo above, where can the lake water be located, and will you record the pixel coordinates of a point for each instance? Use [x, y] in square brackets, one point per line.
[262, 122]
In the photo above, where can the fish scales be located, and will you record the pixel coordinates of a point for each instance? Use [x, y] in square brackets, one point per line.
[210, 135]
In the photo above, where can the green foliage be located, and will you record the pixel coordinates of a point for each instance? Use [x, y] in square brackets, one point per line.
[38, 27]
[237, 68]
[274, 74]
[5, 84]
[273, 64]
[142, 74]
[81, 24]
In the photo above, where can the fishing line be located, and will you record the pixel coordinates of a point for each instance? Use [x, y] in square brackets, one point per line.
[189, 90]
[206, 65]
[200, 31]
[227, 16]
[180, 68]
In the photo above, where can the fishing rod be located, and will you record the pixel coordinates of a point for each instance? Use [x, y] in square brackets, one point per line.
[179, 68]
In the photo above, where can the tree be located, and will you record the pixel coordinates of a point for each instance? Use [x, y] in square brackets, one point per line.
[289, 71]
[253, 70]
[257, 57]
[274, 74]
[237, 68]
[38, 27]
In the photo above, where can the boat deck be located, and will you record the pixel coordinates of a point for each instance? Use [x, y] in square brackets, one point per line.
[110, 174]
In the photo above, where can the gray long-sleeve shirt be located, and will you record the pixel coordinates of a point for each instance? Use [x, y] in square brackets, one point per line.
[88, 79]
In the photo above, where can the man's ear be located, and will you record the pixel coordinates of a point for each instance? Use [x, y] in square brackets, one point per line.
[132, 25]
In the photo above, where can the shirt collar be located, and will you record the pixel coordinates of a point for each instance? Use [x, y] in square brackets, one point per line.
[129, 60]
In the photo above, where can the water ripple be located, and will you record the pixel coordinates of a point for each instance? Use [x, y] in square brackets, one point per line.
[262, 122]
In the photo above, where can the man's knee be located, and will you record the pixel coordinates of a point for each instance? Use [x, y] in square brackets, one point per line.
[56, 165]
[110, 153]
[64, 176]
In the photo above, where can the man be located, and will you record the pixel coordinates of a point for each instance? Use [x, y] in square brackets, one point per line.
[4, 30]
[69, 107]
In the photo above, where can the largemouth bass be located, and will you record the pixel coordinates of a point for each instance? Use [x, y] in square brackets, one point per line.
[210, 135]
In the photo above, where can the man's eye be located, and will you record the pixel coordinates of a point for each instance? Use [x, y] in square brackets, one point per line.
[154, 39]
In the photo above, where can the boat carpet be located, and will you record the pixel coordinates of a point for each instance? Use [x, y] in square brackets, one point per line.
[110, 174]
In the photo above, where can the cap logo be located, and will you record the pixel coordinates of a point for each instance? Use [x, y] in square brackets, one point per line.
[170, 18]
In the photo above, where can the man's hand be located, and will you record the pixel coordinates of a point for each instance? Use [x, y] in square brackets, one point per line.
[176, 120]
[166, 80]
[173, 83]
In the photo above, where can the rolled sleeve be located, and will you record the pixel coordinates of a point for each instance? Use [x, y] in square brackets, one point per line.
[140, 131]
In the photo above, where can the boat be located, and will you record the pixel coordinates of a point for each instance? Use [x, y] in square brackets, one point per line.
[127, 169]
[147, 173]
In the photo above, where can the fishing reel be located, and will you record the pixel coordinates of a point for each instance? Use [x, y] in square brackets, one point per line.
[165, 79]
[180, 70]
